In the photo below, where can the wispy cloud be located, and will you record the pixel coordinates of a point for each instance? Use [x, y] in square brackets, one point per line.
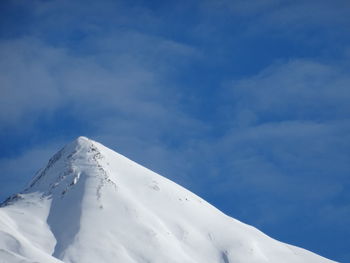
[298, 89]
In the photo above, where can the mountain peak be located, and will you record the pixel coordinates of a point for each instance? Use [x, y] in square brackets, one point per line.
[91, 204]
[80, 158]
[81, 140]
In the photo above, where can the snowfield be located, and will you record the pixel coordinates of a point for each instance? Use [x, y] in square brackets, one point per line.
[93, 205]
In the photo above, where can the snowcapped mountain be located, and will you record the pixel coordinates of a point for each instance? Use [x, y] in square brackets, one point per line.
[91, 204]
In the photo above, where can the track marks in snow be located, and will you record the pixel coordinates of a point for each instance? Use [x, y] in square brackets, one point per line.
[224, 257]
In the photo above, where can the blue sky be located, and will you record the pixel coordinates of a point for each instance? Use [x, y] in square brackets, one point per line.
[245, 103]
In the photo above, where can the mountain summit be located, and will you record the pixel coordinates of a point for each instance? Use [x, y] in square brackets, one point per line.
[91, 204]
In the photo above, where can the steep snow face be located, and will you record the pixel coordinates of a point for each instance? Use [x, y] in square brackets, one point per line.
[91, 204]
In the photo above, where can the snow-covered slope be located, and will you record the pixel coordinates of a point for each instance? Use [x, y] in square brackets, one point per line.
[91, 204]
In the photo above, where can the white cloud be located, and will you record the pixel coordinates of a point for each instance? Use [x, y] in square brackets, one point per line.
[38, 78]
[288, 142]
[26, 84]
[299, 89]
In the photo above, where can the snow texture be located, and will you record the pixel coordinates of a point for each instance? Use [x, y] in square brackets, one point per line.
[91, 204]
